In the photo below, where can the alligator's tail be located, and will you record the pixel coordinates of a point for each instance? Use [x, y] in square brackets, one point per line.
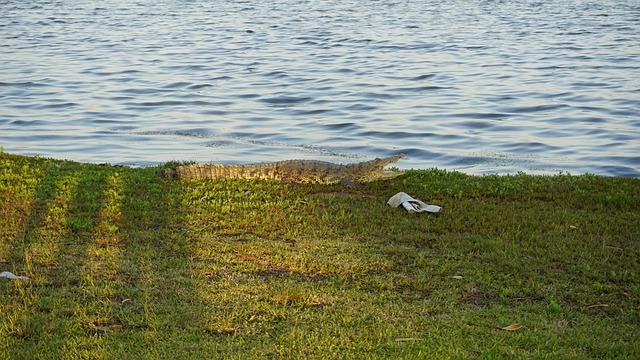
[215, 171]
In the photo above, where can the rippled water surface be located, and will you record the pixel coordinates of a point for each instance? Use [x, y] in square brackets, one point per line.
[469, 85]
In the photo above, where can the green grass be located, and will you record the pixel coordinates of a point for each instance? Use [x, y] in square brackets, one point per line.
[127, 265]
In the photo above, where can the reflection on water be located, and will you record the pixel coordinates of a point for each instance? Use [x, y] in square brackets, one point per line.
[476, 86]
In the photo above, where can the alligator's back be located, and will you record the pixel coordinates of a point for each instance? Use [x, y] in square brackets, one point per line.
[294, 171]
[298, 171]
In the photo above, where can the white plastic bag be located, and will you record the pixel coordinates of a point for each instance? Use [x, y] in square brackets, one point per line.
[411, 204]
[11, 276]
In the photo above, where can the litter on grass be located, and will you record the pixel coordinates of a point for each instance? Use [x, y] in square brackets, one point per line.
[8, 275]
[411, 204]
[512, 327]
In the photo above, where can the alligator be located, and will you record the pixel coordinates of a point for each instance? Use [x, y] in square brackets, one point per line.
[292, 171]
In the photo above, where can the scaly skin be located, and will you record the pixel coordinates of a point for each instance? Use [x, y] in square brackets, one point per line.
[292, 171]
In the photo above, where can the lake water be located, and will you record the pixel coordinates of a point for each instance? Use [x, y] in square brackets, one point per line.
[478, 86]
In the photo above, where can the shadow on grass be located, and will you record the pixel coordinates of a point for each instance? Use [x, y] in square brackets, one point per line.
[157, 305]
[106, 252]
[49, 250]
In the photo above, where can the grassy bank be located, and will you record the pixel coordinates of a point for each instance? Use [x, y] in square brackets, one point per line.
[126, 265]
